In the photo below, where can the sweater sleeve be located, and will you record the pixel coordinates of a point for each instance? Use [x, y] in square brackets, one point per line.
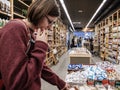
[49, 76]
[18, 71]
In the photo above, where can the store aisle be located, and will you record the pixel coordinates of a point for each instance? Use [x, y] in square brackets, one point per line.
[96, 59]
[60, 70]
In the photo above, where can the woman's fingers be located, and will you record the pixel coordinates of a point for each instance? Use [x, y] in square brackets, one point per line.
[41, 35]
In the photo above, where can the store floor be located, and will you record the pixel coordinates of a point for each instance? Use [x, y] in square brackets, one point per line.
[60, 69]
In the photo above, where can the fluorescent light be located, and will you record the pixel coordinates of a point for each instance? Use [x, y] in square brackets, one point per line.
[68, 16]
[96, 13]
[80, 11]
[71, 29]
[76, 22]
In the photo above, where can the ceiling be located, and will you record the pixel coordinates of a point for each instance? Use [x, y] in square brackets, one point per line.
[87, 8]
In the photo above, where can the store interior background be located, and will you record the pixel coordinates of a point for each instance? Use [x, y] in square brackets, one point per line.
[76, 20]
[80, 18]
[81, 11]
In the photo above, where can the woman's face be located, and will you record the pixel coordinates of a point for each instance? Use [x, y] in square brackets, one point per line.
[46, 22]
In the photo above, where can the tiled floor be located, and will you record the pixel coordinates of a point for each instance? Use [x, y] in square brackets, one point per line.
[60, 70]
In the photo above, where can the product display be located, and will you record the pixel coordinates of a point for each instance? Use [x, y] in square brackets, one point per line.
[100, 76]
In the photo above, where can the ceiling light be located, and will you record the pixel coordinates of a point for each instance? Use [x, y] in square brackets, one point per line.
[76, 22]
[71, 29]
[66, 12]
[101, 5]
[80, 11]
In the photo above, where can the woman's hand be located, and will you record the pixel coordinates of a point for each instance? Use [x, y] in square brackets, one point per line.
[67, 87]
[41, 35]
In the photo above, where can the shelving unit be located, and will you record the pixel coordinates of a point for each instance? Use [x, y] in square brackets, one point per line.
[5, 12]
[109, 31]
[60, 38]
[56, 35]
[50, 57]
[11, 9]
[20, 8]
[56, 42]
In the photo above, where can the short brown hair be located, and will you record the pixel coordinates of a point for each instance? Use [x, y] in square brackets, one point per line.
[40, 8]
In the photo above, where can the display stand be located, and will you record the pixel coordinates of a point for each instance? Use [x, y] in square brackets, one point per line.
[100, 76]
[80, 56]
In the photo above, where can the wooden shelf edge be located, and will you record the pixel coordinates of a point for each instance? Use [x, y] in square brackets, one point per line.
[19, 15]
[23, 3]
[5, 13]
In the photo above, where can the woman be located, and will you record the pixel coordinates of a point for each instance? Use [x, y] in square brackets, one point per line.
[22, 67]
